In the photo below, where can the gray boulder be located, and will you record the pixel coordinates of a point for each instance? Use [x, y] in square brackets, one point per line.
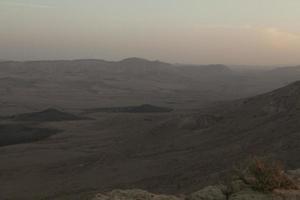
[237, 186]
[208, 193]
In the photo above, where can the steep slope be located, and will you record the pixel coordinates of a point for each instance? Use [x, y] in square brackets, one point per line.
[268, 123]
[206, 144]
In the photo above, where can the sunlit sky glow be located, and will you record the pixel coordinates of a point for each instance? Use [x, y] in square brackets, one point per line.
[263, 32]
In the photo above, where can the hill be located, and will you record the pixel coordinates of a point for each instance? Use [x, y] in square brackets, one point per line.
[132, 80]
[286, 73]
[145, 108]
[206, 144]
[47, 115]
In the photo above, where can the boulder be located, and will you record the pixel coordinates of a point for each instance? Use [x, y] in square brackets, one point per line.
[237, 186]
[208, 193]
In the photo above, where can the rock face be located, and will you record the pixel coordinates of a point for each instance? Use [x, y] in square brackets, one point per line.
[237, 190]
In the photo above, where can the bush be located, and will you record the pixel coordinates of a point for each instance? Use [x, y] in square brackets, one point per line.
[265, 175]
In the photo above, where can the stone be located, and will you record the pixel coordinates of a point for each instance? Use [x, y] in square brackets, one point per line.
[208, 193]
[237, 186]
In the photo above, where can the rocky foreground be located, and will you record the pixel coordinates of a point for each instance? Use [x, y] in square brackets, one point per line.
[237, 189]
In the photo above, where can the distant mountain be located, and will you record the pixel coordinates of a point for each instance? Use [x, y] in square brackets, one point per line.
[132, 80]
[284, 75]
[136, 61]
[128, 64]
[217, 68]
[286, 69]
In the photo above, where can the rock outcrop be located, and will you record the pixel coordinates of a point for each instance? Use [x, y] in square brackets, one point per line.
[209, 193]
[236, 190]
[134, 194]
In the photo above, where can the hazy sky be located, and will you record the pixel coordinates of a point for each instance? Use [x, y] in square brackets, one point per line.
[184, 31]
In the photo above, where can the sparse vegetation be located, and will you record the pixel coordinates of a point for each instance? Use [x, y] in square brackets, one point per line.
[265, 175]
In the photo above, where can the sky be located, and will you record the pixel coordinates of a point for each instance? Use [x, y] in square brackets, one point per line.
[243, 32]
